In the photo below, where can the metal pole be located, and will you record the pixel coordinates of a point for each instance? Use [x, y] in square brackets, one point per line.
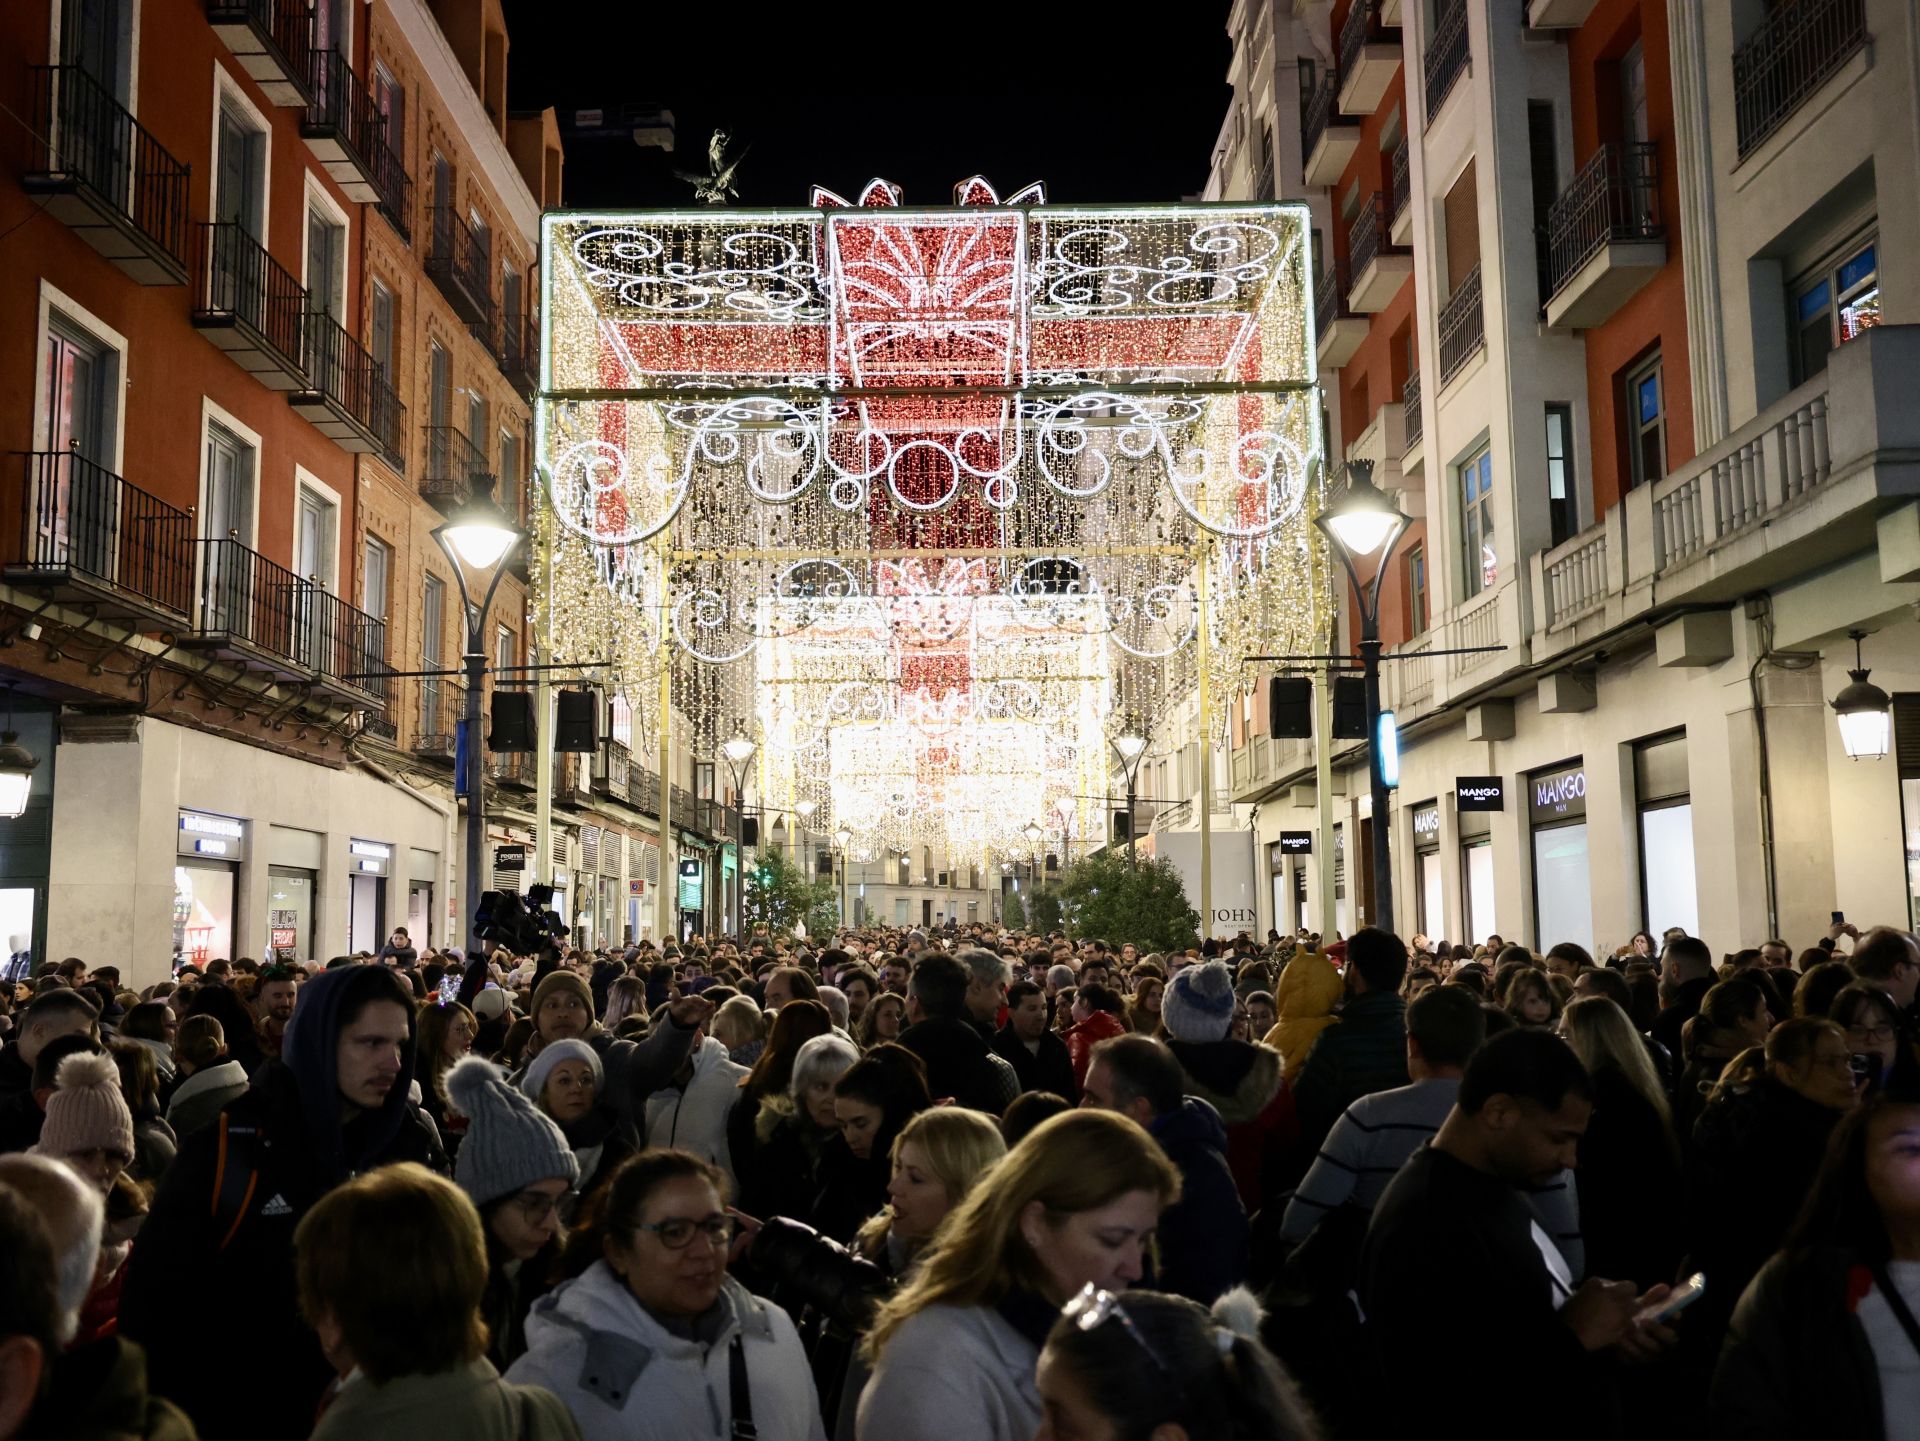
[1204, 660]
[669, 863]
[1326, 916]
[471, 884]
[1381, 821]
[543, 733]
[1132, 861]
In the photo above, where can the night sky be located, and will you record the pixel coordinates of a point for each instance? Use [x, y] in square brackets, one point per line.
[1101, 105]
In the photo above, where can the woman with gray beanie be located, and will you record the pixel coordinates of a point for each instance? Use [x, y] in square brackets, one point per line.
[519, 1171]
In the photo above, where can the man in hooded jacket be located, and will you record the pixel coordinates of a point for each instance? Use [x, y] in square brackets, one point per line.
[216, 1253]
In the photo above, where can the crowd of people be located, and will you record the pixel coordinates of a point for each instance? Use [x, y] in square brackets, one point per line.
[967, 1184]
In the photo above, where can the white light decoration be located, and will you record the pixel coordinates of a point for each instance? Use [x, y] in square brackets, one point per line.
[1863, 711]
[925, 492]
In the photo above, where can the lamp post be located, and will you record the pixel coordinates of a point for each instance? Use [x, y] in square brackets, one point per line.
[1363, 521]
[739, 749]
[1130, 745]
[1034, 835]
[16, 769]
[478, 537]
[1863, 711]
[843, 838]
[804, 810]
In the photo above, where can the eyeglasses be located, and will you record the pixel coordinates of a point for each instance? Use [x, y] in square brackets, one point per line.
[1093, 1308]
[677, 1233]
[1872, 1035]
[536, 1206]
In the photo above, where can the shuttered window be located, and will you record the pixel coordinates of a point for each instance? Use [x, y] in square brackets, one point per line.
[1462, 216]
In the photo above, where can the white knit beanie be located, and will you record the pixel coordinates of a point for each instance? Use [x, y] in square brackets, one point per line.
[551, 1055]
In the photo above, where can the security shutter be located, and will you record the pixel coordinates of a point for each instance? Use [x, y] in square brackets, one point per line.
[589, 848]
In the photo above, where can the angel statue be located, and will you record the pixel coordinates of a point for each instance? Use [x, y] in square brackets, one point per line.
[716, 186]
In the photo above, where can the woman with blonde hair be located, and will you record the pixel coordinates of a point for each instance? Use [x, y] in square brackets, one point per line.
[741, 1026]
[1628, 1148]
[953, 1353]
[937, 1159]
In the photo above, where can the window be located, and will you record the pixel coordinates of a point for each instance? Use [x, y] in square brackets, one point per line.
[97, 37]
[508, 492]
[1480, 562]
[439, 386]
[326, 277]
[1417, 590]
[1460, 212]
[1646, 404]
[315, 536]
[1833, 304]
[503, 649]
[433, 624]
[1667, 892]
[376, 575]
[1562, 508]
[620, 724]
[228, 511]
[240, 165]
[391, 100]
[1633, 95]
[382, 331]
[81, 392]
[477, 420]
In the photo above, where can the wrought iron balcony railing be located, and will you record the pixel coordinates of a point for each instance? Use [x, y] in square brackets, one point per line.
[1789, 57]
[79, 518]
[1615, 197]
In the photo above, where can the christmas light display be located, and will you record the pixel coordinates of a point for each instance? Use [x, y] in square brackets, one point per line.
[921, 497]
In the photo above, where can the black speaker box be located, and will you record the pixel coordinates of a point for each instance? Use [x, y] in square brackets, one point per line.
[1290, 708]
[749, 830]
[510, 724]
[1349, 708]
[577, 721]
[1122, 826]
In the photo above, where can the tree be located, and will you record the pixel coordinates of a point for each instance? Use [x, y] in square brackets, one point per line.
[777, 893]
[1044, 913]
[1106, 898]
[1013, 915]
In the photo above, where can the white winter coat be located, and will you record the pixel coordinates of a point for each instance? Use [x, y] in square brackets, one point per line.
[951, 1372]
[695, 1119]
[625, 1377]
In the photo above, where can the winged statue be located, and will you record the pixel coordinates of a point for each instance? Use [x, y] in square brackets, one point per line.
[716, 186]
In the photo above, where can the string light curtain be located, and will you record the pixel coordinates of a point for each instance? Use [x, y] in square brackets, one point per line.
[922, 498]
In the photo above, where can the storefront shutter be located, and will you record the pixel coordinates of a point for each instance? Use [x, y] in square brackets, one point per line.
[590, 848]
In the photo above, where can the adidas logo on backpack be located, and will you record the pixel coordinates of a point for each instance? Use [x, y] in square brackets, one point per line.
[277, 1206]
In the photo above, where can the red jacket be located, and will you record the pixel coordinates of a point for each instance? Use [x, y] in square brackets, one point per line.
[1082, 1038]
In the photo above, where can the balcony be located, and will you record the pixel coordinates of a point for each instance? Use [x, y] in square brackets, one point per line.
[1810, 482]
[519, 352]
[345, 648]
[1369, 56]
[1327, 139]
[643, 791]
[91, 539]
[100, 173]
[1463, 327]
[1379, 267]
[396, 194]
[1340, 331]
[346, 131]
[456, 469]
[1604, 237]
[1792, 54]
[1400, 195]
[346, 397]
[390, 424]
[1558, 14]
[514, 768]
[252, 612]
[248, 305]
[1448, 57]
[272, 40]
[459, 265]
[436, 731]
[1383, 443]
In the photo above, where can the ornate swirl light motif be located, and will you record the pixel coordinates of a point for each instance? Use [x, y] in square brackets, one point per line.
[1093, 268]
[918, 497]
[749, 272]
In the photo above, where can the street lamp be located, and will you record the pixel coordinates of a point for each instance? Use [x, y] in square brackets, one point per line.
[1863, 711]
[1130, 745]
[1034, 835]
[843, 838]
[1362, 521]
[478, 537]
[738, 749]
[16, 769]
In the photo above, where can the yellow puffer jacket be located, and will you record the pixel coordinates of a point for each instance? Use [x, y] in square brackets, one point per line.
[1305, 997]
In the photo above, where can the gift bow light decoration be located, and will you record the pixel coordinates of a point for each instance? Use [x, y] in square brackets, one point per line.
[929, 493]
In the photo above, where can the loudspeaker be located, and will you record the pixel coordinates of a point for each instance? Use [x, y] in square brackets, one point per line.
[749, 830]
[1290, 708]
[823, 864]
[1349, 708]
[1122, 828]
[577, 723]
[510, 721]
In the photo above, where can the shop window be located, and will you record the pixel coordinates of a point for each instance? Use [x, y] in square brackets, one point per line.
[1562, 886]
[1833, 303]
[1480, 562]
[1667, 892]
[1645, 398]
[1906, 745]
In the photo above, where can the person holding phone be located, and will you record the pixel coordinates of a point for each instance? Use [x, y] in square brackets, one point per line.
[1824, 1342]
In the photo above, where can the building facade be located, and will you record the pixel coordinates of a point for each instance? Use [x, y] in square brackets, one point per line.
[1612, 306]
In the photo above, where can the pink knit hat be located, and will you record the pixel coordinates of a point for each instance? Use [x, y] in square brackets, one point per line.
[86, 1112]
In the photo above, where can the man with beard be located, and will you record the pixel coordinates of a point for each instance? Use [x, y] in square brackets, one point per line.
[273, 999]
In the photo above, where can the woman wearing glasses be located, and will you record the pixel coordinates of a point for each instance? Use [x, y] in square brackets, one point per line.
[519, 1171]
[655, 1342]
[953, 1352]
[1147, 1365]
[1872, 1023]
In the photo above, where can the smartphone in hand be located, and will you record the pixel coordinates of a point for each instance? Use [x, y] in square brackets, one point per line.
[1662, 1312]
